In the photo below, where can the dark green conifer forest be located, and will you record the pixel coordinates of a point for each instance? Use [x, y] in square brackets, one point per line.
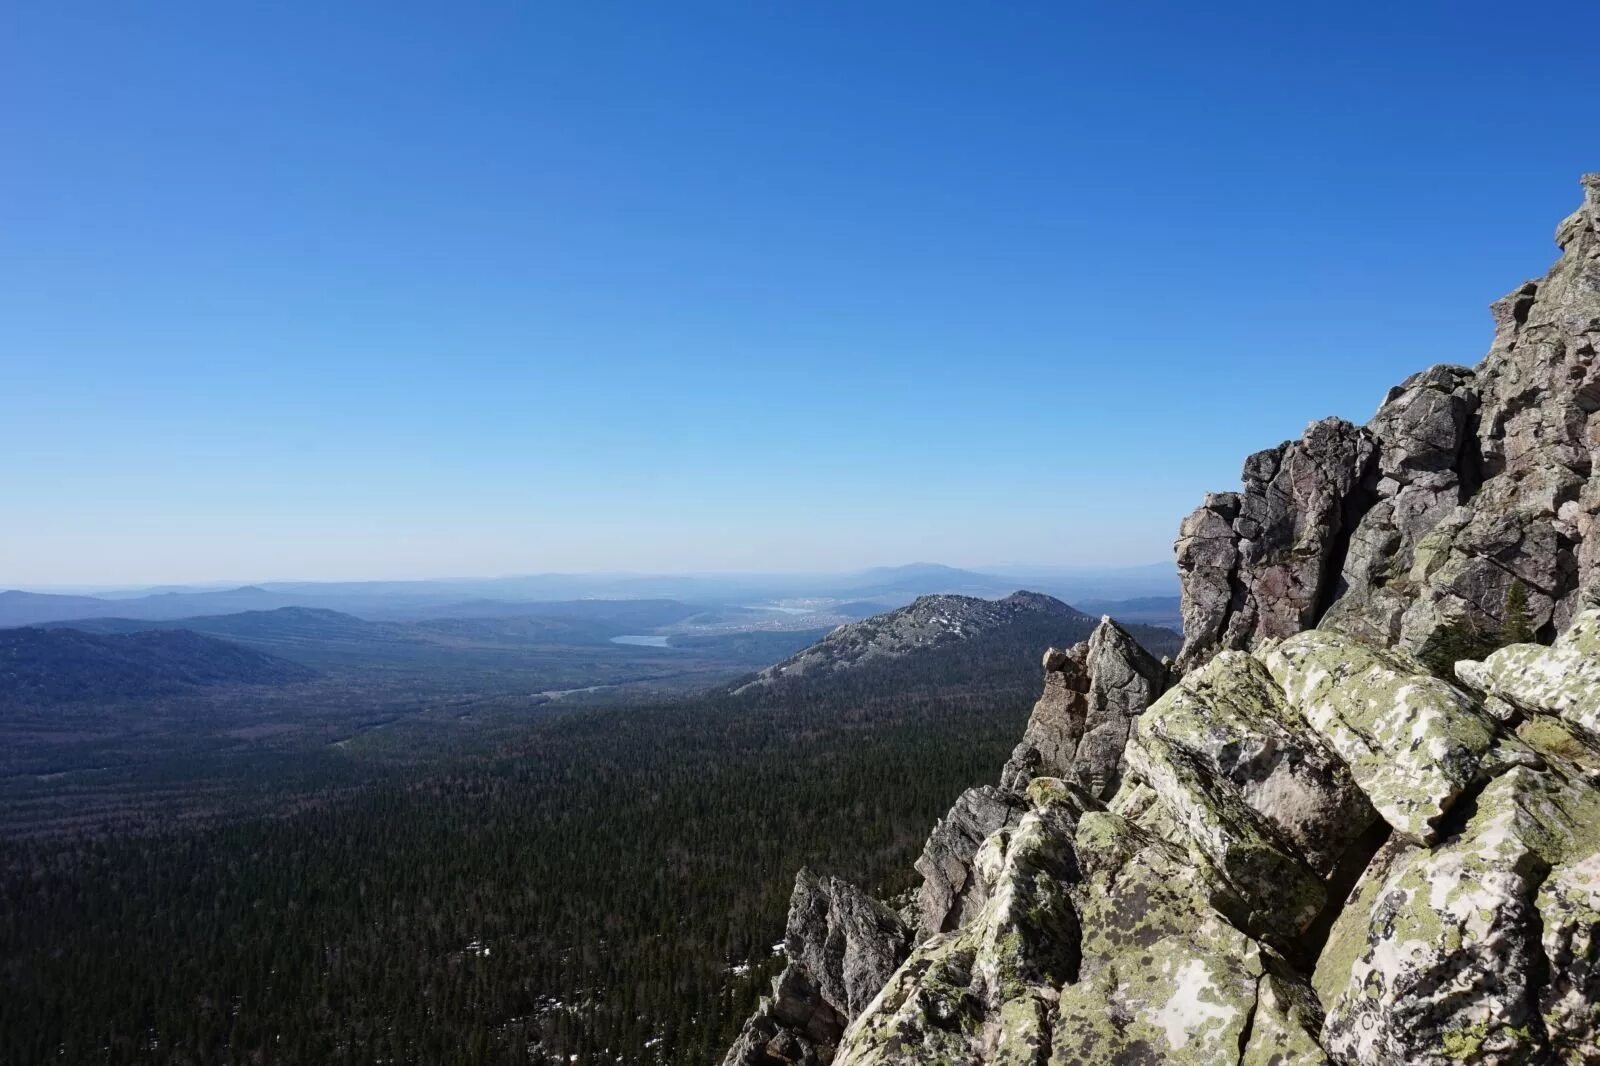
[605, 885]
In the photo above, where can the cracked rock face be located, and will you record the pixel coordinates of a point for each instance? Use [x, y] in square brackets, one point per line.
[950, 892]
[985, 992]
[1563, 681]
[1093, 693]
[1258, 792]
[1255, 564]
[1465, 481]
[1413, 743]
[842, 946]
[1202, 916]
[1440, 954]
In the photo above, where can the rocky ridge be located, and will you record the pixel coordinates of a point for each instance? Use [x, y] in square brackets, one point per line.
[929, 624]
[1464, 481]
[1299, 845]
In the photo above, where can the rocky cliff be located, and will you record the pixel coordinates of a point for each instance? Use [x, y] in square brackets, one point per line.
[1300, 844]
[1465, 480]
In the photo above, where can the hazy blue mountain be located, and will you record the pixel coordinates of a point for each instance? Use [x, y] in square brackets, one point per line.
[46, 666]
[881, 588]
[32, 608]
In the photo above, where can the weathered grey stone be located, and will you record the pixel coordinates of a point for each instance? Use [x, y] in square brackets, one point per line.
[1463, 482]
[1079, 728]
[764, 1041]
[1563, 680]
[1422, 428]
[1163, 977]
[1270, 807]
[1569, 915]
[847, 941]
[1050, 742]
[842, 946]
[1438, 958]
[1412, 742]
[950, 893]
[985, 993]
[1285, 1026]
[1258, 564]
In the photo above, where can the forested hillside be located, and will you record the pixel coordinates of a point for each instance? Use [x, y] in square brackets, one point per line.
[597, 887]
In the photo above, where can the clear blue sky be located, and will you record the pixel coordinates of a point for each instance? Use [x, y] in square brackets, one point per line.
[382, 290]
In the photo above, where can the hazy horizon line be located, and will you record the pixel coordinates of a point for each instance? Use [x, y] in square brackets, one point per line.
[224, 584]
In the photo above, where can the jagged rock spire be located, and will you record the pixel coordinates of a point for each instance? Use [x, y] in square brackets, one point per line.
[1079, 728]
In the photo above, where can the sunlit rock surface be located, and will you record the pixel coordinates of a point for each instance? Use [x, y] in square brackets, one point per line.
[1300, 845]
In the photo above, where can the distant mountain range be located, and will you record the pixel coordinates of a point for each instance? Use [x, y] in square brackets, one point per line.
[866, 591]
[46, 666]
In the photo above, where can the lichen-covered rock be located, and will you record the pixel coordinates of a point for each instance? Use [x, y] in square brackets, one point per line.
[984, 993]
[1267, 804]
[1569, 913]
[1096, 946]
[1563, 680]
[1421, 426]
[949, 892]
[1072, 921]
[842, 946]
[1438, 956]
[1093, 694]
[1412, 742]
[1285, 1025]
[1163, 977]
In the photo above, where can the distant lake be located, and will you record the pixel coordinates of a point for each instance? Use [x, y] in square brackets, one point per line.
[642, 641]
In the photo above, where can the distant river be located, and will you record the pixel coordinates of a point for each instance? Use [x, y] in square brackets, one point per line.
[643, 642]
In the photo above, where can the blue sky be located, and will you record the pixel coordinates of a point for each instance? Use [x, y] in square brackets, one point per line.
[401, 290]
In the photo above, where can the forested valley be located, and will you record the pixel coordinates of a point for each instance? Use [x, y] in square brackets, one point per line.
[602, 885]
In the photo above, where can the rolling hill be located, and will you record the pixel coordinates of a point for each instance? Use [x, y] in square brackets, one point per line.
[49, 666]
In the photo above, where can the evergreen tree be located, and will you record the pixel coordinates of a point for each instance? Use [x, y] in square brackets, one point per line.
[1517, 629]
[1455, 640]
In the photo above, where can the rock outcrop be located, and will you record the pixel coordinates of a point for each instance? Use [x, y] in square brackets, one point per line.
[1093, 692]
[1464, 481]
[842, 947]
[1259, 564]
[1202, 916]
[1310, 848]
[950, 892]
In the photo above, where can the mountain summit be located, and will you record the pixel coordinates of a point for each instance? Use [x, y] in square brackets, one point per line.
[925, 623]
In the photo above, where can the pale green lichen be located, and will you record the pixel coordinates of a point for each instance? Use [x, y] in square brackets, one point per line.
[1412, 742]
[1285, 1027]
[1569, 911]
[1163, 975]
[1429, 950]
[988, 981]
[1562, 680]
